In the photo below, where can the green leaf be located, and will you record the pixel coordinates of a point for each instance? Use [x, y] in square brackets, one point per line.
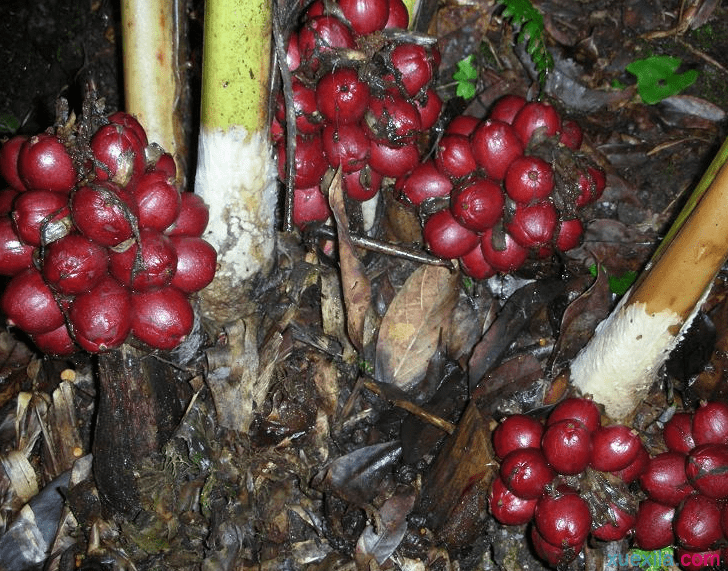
[656, 77]
[618, 285]
[531, 31]
[465, 77]
[9, 123]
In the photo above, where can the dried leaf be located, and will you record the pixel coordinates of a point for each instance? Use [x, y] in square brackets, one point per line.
[354, 281]
[411, 328]
[381, 542]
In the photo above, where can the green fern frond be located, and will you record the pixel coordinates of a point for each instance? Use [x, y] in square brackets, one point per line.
[531, 31]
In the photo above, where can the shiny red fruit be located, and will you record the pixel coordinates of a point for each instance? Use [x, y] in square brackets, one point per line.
[665, 480]
[534, 224]
[362, 184]
[74, 264]
[9, 161]
[293, 54]
[391, 161]
[614, 447]
[101, 318]
[538, 118]
[398, 15]
[392, 119]
[516, 431]
[162, 318]
[591, 184]
[130, 122]
[429, 108]
[7, 198]
[346, 146]
[311, 164]
[165, 164]
[309, 205]
[563, 520]
[477, 204]
[193, 216]
[196, 263]
[678, 432]
[710, 423]
[653, 528]
[619, 526]
[508, 508]
[446, 238]
[424, 182]
[529, 179]
[28, 303]
[554, 555]
[636, 468]
[308, 118]
[321, 34]
[454, 156]
[341, 97]
[462, 125]
[575, 408]
[413, 65]
[506, 257]
[153, 268]
[119, 152]
[158, 200]
[506, 108]
[104, 212]
[495, 146]
[568, 234]
[15, 255]
[707, 469]
[57, 342]
[365, 16]
[697, 523]
[526, 472]
[566, 444]
[571, 134]
[474, 265]
[44, 164]
[34, 210]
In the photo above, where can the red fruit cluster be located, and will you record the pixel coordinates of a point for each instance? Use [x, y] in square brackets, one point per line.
[687, 487]
[98, 241]
[362, 114]
[538, 460]
[507, 198]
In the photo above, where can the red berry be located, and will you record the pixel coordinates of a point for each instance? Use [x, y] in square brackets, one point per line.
[567, 446]
[391, 161]
[346, 146]
[507, 507]
[495, 146]
[7, 197]
[165, 164]
[414, 66]
[424, 182]
[653, 528]
[528, 179]
[28, 303]
[15, 255]
[9, 161]
[119, 152]
[193, 216]
[57, 342]
[365, 16]
[44, 164]
[362, 184]
[534, 224]
[462, 125]
[526, 472]
[620, 525]
[104, 212]
[516, 431]
[568, 234]
[477, 204]
[554, 555]
[196, 263]
[571, 134]
[130, 122]
[398, 15]
[710, 423]
[506, 108]
[678, 433]
[392, 119]
[563, 520]
[74, 264]
[162, 318]
[321, 34]
[446, 238]
[153, 268]
[429, 109]
[309, 205]
[538, 118]
[635, 469]
[506, 259]
[665, 480]
[574, 408]
[311, 164]
[474, 265]
[614, 447]
[293, 54]
[707, 469]
[697, 523]
[308, 118]
[158, 200]
[591, 184]
[101, 318]
[34, 210]
[454, 156]
[341, 97]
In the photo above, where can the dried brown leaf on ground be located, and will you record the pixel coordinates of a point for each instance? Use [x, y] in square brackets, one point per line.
[411, 329]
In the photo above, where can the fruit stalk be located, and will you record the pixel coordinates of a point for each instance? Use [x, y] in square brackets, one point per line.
[152, 74]
[619, 364]
[235, 171]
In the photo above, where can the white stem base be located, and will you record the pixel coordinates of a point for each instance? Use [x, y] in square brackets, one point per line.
[236, 176]
[619, 364]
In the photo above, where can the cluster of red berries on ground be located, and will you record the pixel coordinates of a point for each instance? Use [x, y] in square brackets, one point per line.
[543, 468]
[515, 180]
[98, 240]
